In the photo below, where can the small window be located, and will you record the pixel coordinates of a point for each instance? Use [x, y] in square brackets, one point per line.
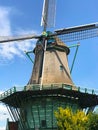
[43, 123]
[61, 67]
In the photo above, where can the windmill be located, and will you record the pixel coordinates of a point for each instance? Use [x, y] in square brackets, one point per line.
[50, 85]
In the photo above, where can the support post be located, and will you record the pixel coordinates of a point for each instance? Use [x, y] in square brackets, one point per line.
[27, 53]
[77, 46]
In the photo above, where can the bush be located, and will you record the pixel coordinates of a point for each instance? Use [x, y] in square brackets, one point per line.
[69, 120]
[92, 121]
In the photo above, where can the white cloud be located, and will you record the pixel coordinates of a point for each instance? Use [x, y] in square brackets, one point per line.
[2, 128]
[3, 116]
[3, 113]
[9, 50]
[5, 27]
[1, 92]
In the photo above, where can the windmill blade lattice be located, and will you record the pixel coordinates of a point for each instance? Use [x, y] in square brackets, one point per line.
[78, 32]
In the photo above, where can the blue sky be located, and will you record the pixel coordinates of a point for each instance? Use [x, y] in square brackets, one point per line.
[24, 17]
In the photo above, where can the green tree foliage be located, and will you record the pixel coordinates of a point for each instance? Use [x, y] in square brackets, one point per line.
[92, 121]
[69, 120]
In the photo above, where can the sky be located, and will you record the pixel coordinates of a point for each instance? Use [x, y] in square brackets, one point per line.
[24, 17]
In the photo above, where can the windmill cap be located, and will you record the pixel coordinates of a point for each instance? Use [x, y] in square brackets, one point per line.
[62, 45]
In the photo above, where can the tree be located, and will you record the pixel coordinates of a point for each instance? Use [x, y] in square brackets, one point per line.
[69, 120]
[92, 121]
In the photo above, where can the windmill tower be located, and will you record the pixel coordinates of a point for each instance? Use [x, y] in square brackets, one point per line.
[50, 53]
[50, 85]
[54, 62]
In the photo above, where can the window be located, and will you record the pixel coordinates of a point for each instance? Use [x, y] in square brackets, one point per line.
[43, 123]
[61, 67]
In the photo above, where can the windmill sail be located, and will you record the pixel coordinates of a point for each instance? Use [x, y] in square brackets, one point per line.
[48, 14]
[5, 39]
[66, 35]
[78, 32]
